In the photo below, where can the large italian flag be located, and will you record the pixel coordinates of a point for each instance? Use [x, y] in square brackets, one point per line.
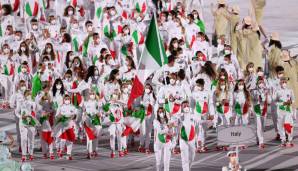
[31, 7]
[152, 58]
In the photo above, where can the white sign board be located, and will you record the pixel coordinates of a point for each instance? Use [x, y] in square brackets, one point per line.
[236, 135]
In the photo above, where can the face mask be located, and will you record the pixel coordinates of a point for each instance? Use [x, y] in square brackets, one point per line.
[28, 98]
[250, 69]
[111, 62]
[188, 20]
[172, 81]
[241, 87]
[280, 75]
[49, 50]
[71, 57]
[195, 15]
[92, 97]
[118, 77]
[23, 49]
[18, 38]
[70, 12]
[7, 32]
[170, 17]
[129, 87]
[222, 77]
[46, 101]
[175, 45]
[198, 88]
[67, 102]
[68, 79]
[77, 64]
[147, 90]
[24, 70]
[75, 26]
[161, 115]
[113, 12]
[125, 90]
[34, 27]
[284, 85]
[53, 22]
[126, 31]
[227, 51]
[178, 24]
[222, 87]
[59, 86]
[90, 29]
[260, 74]
[23, 88]
[6, 50]
[226, 62]
[186, 109]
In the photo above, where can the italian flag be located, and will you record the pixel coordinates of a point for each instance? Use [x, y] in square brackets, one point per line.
[222, 109]
[76, 97]
[172, 108]
[187, 133]
[8, 70]
[75, 44]
[141, 7]
[46, 130]
[137, 37]
[261, 111]
[64, 129]
[241, 110]
[86, 46]
[149, 110]
[201, 25]
[89, 132]
[214, 84]
[109, 32]
[115, 117]
[164, 138]
[16, 5]
[31, 8]
[190, 44]
[99, 13]
[201, 109]
[153, 57]
[133, 122]
[36, 85]
[285, 108]
[124, 15]
[74, 3]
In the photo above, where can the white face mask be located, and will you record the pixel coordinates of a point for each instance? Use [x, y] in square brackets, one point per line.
[126, 31]
[198, 88]
[125, 90]
[34, 27]
[24, 70]
[23, 49]
[23, 88]
[67, 102]
[48, 50]
[170, 17]
[70, 12]
[188, 20]
[111, 62]
[222, 87]
[59, 86]
[284, 85]
[161, 115]
[280, 75]
[18, 38]
[28, 98]
[172, 81]
[75, 26]
[226, 62]
[147, 90]
[195, 15]
[53, 22]
[113, 12]
[90, 29]
[186, 109]
[260, 74]
[7, 32]
[250, 69]
[6, 50]
[241, 87]
[92, 96]
[139, 19]
[222, 77]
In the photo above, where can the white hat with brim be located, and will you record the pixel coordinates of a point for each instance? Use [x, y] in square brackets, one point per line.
[236, 9]
[231, 152]
[275, 36]
[221, 2]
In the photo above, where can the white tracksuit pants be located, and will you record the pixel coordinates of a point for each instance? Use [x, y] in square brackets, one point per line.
[27, 139]
[92, 144]
[188, 151]
[68, 144]
[145, 131]
[274, 116]
[115, 130]
[260, 123]
[242, 119]
[162, 153]
[224, 118]
[45, 147]
[283, 118]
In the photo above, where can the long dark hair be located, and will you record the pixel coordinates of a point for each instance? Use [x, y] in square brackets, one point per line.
[132, 65]
[54, 89]
[26, 51]
[90, 72]
[112, 76]
[67, 60]
[165, 115]
[208, 69]
[52, 53]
